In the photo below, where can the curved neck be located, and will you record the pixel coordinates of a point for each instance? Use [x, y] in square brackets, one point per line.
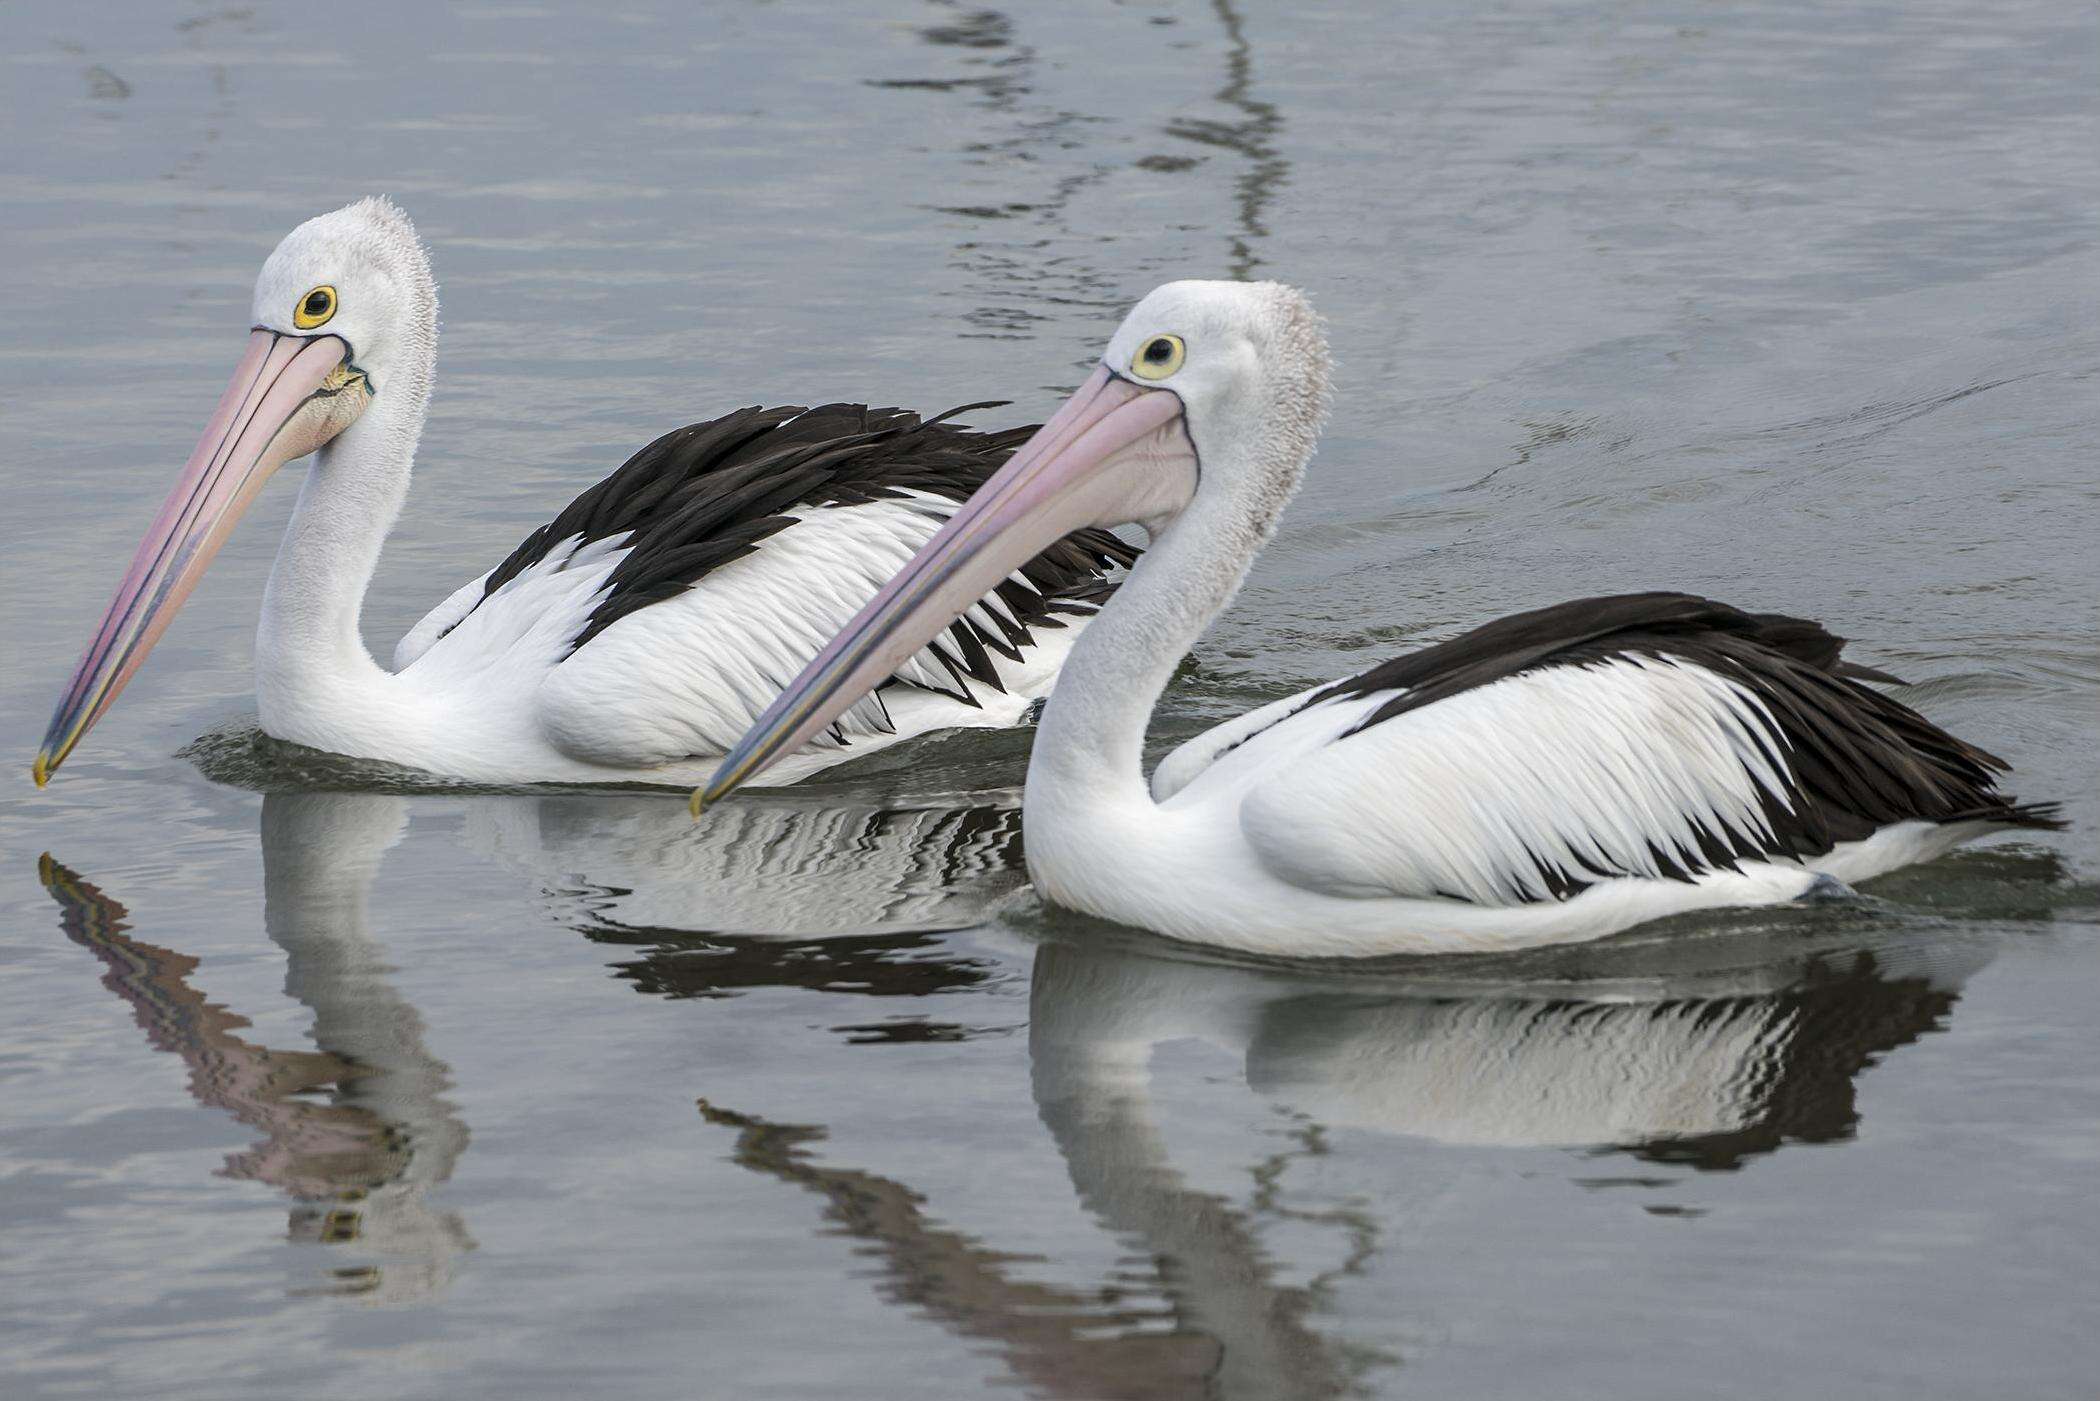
[308, 646]
[1096, 841]
[1089, 750]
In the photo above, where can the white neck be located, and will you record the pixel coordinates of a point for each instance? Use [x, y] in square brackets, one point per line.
[312, 672]
[1088, 813]
[1090, 745]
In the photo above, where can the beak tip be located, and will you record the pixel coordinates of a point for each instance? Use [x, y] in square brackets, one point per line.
[41, 769]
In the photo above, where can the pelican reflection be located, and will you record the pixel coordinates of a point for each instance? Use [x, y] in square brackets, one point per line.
[1705, 1054]
[1705, 1065]
[357, 1131]
[1730, 1053]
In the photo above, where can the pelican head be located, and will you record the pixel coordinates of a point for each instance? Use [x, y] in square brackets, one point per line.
[344, 299]
[1207, 402]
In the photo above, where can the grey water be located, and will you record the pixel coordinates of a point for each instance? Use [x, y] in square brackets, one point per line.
[312, 1087]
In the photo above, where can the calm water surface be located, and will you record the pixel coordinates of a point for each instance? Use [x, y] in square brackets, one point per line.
[321, 1092]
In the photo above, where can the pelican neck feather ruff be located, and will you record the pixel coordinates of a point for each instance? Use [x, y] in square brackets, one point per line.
[1556, 776]
[631, 639]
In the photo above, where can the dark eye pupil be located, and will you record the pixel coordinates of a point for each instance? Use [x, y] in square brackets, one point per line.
[316, 303]
[1159, 352]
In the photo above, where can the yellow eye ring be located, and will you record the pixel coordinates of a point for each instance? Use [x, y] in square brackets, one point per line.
[1158, 357]
[314, 308]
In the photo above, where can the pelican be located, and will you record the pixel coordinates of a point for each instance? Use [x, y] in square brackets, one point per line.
[1551, 777]
[633, 637]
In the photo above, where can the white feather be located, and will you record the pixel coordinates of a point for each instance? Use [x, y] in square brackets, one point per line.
[1192, 756]
[690, 675]
[1582, 766]
[434, 624]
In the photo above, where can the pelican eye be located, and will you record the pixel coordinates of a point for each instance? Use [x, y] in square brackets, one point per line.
[1159, 357]
[314, 308]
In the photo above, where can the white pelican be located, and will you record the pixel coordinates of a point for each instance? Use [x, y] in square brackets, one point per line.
[644, 626]
[1551, 777]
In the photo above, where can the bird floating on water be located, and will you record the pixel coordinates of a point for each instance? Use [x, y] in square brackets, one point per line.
[1547, 778]
[631, 639]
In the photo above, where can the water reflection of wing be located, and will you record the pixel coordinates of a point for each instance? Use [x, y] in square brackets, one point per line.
[775, 866]
[716, 907]
[1707, 1067]
[359, 1163]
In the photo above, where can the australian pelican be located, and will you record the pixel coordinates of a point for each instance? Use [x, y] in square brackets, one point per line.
[635, 636]
[1550, 777]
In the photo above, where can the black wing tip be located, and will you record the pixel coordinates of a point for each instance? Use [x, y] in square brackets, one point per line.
[1857, 671]
[2012, 814]
[960, 409]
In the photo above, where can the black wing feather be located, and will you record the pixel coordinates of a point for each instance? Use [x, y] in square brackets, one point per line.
[710, 493]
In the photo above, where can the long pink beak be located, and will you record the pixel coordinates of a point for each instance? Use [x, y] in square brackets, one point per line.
[1078, 470]
[241, 447]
